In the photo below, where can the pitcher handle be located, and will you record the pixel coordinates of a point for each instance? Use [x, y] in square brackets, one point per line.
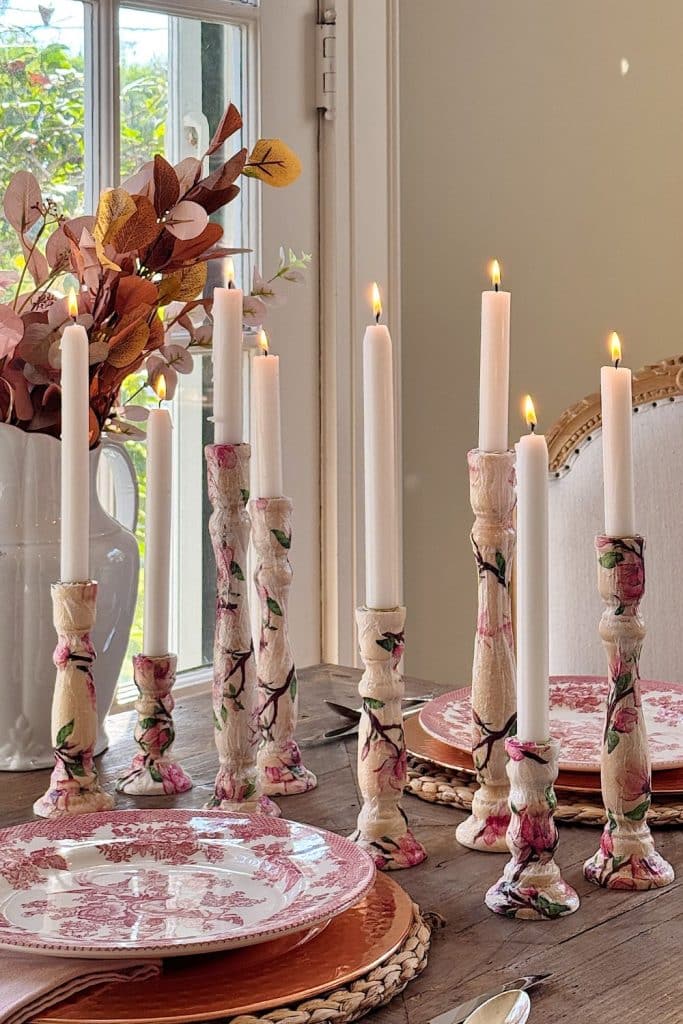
[125, 483]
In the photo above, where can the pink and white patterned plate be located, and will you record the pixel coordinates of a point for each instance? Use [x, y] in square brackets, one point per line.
[577, 706]
[169, 882]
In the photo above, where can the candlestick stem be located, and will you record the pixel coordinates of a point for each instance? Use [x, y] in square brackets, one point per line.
[279, 757]
[627, 858]
[532, 887]
[152, 771]
[492, 494]
[238, 785]
[382, 825]
[74, 786]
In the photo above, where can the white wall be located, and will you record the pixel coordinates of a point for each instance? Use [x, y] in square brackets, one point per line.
[522, 138]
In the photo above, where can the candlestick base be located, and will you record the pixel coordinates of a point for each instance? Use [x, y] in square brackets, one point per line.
[532, 887]
[279, 758]
[627, 858]
[152, 772]
[382, 772]
[238, 785]
[74, 786]
[492, 495]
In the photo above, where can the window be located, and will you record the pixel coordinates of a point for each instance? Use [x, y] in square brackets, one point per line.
[74, 128]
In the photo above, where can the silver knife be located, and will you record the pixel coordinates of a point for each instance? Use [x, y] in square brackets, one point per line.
[458, 1014]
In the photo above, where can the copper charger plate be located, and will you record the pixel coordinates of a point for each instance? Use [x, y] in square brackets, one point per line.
[221, 985]
[420, 744]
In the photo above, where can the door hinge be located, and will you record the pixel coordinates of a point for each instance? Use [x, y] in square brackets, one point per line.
[326, 60]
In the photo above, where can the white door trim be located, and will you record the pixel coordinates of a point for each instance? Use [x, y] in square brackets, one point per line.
[359, 243]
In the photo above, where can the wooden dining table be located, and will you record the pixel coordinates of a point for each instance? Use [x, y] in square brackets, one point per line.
[619, 958]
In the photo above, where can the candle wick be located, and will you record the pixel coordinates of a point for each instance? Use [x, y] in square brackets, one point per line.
[377, 316]
[616, 363]
[496, 286]
[532, 428]
[231, 284]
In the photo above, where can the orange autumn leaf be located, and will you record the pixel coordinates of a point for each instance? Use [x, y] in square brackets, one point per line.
[273, 162]
[185, 284]
[113, 210]
[130, 347]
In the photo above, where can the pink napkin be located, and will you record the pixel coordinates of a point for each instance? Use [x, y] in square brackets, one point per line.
[29, 985]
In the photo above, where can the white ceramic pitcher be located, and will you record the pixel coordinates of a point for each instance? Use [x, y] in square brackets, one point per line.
[29, 563]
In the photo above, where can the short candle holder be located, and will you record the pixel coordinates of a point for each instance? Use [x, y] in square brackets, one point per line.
[152, 772]
[74, 786]
[494, 701]
[627, 858]
[532, 887]
[382, 774]
[238, 784]
[279, 757]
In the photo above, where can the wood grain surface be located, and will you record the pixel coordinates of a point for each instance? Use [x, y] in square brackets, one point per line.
[617, 959]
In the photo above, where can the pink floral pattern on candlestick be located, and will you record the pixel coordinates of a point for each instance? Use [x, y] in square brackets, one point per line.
[626, 858]
[279, 757]
[152, 771]
[492, 715]
[74, 786]
[237, 785]
[382, 770]
[532, 887]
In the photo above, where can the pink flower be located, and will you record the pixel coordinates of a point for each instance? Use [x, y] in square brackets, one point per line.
[262, 503]
[157, 738]
[226, 456]
[92, 693]
[173, 777]
[635, 784]
[411, 849]
[606, 842]
[61, 654]
[536, 832]
[495, 827]
[625, 720]
[631, 579]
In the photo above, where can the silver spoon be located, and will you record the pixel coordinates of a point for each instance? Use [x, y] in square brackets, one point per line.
[507, 1008]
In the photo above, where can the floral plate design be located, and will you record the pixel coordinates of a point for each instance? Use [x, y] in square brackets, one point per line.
[577, 720]
[170, 882]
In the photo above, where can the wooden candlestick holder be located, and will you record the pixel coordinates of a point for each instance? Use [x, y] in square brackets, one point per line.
[492, 494]
[238, 784]
[152, 772]
[627, 858]
[382, 772]
[532, 887]
[74, 786]
[279, 757]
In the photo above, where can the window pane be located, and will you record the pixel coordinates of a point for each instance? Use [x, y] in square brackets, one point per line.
[42, 111]
[177, 76]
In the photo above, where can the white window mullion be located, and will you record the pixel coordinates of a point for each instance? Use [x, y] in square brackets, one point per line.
[102, 88]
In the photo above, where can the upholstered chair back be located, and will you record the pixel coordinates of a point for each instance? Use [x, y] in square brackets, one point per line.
[576, 516]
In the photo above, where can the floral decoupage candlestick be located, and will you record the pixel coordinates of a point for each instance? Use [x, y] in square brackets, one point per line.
[532, 887]
[74, 786]
[238, 784]
[279, 757]
[492, 493]
[627, 858]
[382, 825]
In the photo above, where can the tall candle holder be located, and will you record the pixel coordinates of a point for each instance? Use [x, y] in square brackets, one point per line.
[627, 858]
[152, 772]
[492, 494]
[238, 784]
[532, 887]
[279, 757]
[382, 772]
[74, 786]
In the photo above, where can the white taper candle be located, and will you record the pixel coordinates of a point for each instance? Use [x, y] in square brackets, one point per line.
[617, 445]
[155, 640]
[75, 454]
[381, 511]
[265, 395]
[227, 362]
[533, 718]
[494, 367]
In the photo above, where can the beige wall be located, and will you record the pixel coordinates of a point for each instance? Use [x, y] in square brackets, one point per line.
[522, 139]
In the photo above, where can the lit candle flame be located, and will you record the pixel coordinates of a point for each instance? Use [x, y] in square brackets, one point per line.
[263, 341]
[615, 348]
[229, 273]
[376, 301]
[495, 274]
[73, 303]
[160, 386]
[530, 413]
